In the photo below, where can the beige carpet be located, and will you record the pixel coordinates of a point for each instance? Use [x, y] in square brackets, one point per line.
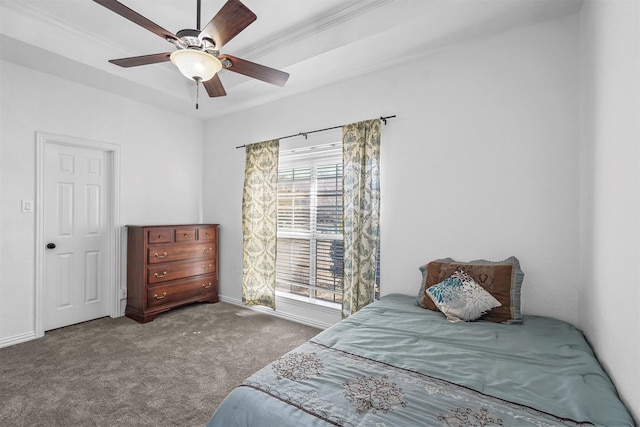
[173, 371]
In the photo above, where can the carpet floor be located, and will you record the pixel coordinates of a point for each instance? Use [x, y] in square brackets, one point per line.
[173, 371]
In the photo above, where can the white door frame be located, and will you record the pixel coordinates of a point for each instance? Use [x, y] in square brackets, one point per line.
[113, 152]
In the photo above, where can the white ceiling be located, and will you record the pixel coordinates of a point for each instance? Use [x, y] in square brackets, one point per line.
[317, 41]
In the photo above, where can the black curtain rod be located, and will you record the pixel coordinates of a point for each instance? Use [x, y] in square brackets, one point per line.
[384, 120]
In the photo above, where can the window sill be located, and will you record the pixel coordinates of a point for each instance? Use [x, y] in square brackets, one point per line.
[302, 300]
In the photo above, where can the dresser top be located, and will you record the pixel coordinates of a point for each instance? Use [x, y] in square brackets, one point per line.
[169, 225]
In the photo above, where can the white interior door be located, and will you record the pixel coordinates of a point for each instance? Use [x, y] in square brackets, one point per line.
[76, 215]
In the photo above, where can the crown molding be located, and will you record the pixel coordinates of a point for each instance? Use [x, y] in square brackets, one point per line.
[32, 13]
[288, 37]
[312, 27]
[79, 38]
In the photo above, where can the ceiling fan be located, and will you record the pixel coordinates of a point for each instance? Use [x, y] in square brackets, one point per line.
[197, 53]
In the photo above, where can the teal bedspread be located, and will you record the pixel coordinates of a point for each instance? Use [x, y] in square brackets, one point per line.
[396, 364]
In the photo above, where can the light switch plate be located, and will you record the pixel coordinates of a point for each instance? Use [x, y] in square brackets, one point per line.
[27, 206]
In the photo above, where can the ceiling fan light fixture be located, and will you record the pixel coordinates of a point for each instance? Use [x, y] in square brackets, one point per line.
[195, 64]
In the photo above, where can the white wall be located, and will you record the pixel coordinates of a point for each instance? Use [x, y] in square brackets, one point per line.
[161, 170]
[480, 162]
[610, 295]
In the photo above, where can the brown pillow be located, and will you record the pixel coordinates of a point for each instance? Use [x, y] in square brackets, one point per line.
[501, 279]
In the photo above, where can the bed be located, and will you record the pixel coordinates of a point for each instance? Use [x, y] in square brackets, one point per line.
[395, 363]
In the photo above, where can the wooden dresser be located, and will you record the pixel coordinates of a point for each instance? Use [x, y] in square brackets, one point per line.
[168, 266]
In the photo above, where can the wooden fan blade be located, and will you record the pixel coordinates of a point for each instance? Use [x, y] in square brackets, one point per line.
[214, 87]
[134, 61]
[257, 71]
[136, 18]
[228, 23]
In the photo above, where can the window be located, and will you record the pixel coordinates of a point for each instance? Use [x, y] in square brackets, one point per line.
[309, 260]
[310, 247]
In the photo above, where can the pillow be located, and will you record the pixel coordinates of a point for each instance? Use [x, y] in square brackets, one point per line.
[502, 279]
[460, 298]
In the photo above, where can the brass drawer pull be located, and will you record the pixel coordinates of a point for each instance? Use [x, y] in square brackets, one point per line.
[164, 294]
[164, 254]
[159, 236]
[206, 285]
[186, 235]
[164, 273]
[207, 267]
[208, 251]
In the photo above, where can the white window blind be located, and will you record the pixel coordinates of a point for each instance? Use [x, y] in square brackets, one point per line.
[310, 247]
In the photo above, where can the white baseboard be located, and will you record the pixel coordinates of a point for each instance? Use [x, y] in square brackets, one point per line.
[17, 339]
[330, 315]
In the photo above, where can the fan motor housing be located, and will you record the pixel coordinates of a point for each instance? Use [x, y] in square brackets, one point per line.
[190, 37]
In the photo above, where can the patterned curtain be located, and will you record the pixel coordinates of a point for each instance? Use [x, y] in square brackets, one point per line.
[361, 204]
[259, 224]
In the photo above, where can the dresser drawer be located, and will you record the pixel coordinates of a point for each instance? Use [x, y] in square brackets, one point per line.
[167, 253]
[207, 234]
[179, 270]
[183, 290]
[160, 235]
[185, 234]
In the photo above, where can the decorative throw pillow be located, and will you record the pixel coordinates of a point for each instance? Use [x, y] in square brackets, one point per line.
[460, 298]
[502, 279]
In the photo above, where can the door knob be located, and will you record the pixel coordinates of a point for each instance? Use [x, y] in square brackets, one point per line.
[51, 245]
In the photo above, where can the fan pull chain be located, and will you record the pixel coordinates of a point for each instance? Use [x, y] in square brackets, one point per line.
[197, 80]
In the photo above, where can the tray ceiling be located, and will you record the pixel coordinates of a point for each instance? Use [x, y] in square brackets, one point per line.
[318, 42]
